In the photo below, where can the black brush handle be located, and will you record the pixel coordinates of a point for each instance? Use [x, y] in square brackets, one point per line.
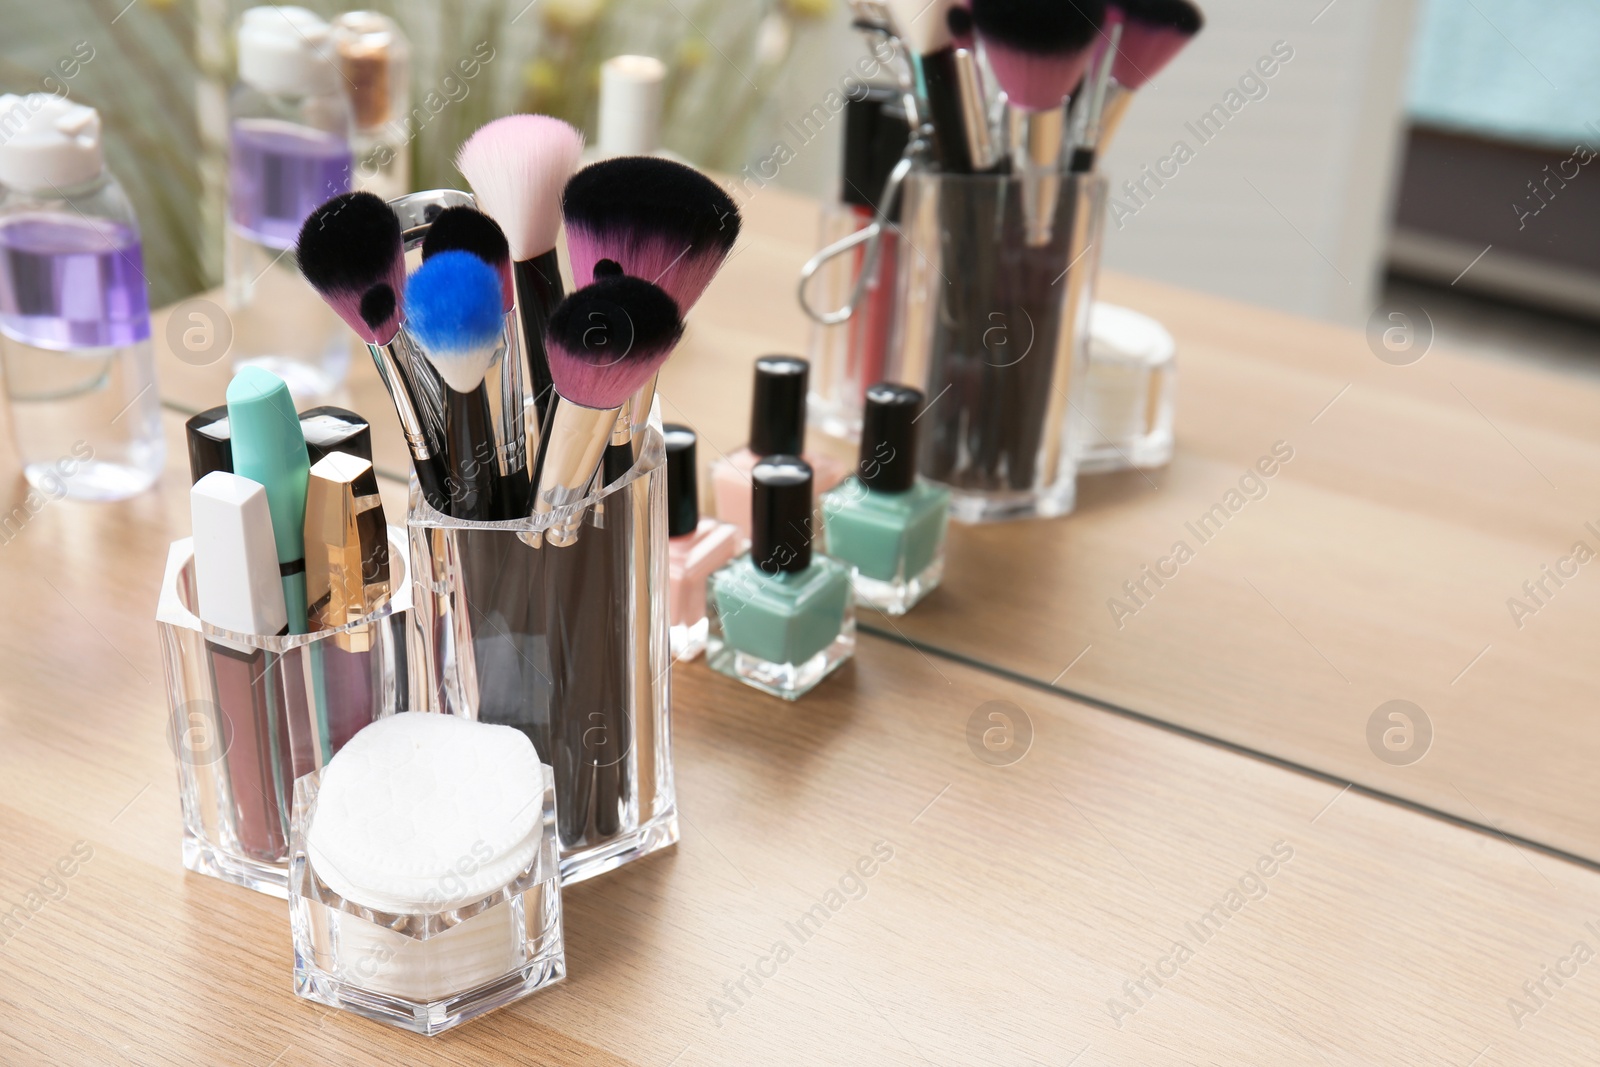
[539, 291]
[943, 85]
[470, 455]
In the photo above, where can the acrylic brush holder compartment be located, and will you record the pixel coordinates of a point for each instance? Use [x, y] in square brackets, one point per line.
[568, 643]
[993, 327]
[427, 969]
[250, 714]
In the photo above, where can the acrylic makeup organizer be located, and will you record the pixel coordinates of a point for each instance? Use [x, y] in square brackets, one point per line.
[993, 327]
[250, 714]
[426, 970]
[568, 643]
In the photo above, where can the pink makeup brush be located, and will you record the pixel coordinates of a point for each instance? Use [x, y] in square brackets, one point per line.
[517, 166]
[653, 219]
[1039, 51]
[1153, 32]
[605, 341]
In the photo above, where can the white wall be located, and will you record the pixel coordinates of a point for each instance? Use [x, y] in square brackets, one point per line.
[1319, 150]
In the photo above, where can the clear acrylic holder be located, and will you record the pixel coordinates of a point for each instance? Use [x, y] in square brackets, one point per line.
[995, 331]
[568, 644]
[425, 971]
[250, 714]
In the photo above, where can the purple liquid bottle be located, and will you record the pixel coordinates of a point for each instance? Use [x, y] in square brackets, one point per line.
[74, 313]
[290, 127]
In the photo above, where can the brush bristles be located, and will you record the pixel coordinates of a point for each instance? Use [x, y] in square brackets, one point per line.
[453, 310]
[1038, 50]
[609, 338]
[1177, 15]
[922, 25]
[380, 311]
[347, 246]
[465, 229]
[517, 166]
[1152, 34]
[959, 19]
[662, 221]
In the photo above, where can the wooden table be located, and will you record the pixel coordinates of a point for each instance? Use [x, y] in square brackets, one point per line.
[1019, 905]
[1377, 567]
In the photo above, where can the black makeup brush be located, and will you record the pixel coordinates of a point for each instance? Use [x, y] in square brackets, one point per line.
[350, 250]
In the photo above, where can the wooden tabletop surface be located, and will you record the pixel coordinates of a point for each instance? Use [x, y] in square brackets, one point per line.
[1377, 566]
[1015, 909]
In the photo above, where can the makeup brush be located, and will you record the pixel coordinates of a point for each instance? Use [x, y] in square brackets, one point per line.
[605, 341]
[453, 308]
[466, 229]
[517, 166]
[1153, 32]
[652, 219]
[1039, 50]
[350, 250]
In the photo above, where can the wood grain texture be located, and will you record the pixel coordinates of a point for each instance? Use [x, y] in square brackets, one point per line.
[1016, 902]
[1377, 566]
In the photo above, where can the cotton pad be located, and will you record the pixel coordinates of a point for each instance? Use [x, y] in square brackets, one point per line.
[421, 813]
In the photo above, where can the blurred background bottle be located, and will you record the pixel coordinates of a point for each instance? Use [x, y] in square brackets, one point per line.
[74, 308]
[290, 130]
[375, 58]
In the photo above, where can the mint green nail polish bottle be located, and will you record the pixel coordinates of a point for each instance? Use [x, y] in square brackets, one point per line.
[782, 617]
[885, 521]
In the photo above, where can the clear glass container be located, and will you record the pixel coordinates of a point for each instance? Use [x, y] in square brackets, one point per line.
[75, 342]
[691, 559]
[568, 644]
[851, 355]
[425, 971]
[993, 328]
[250, 714]
[781, 632]
[895, 541]
[288, 154]
[1130, 393]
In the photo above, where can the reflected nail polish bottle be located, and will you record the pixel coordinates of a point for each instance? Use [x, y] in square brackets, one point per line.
[695, 546]
[782, 617]
[885, 521]
[777, 428]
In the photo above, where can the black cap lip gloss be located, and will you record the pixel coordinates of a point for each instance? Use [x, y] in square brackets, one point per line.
[210, 443]
[330, 429]
[780, 527]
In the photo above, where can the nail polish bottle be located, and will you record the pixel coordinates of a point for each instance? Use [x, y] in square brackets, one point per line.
[782, 617]
[885, 521]
[777, 428]
[695, 546]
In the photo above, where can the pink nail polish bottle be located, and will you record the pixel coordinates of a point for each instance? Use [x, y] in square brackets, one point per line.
[696, 547]
[777, 428]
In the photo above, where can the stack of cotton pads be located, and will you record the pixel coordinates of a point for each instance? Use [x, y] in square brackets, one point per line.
[427, 820]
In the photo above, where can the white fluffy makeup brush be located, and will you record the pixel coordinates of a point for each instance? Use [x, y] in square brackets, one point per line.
[517, 167]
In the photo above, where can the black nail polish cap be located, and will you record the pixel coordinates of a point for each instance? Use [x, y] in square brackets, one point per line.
[683, 483]
[330, 429]
[778, 412]
[780, 515]
[210, 444]
[888, 459]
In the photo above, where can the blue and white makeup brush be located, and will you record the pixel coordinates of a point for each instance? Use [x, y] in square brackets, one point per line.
[454, 310]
